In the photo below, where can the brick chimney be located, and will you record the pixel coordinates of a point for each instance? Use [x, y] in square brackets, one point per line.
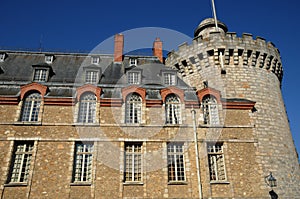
[119, 45]
[157, 49]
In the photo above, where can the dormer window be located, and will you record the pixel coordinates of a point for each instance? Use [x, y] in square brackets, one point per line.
[169, 79]
[91, 77]
[134, 77]
[48, 59]
[2, 57]
[132, 62]
[95, 60]
[40, 75]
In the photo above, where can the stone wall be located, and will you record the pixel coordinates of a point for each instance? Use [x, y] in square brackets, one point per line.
[251, 70]
[52, 163]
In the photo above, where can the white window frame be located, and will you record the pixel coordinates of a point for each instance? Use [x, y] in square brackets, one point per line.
[95, 60]
[49, 59]
[133, 62]
[216, 162]
[40, 74]
[210, 110]
[93, 78]
[31, 107]
[173, 109]
[133, 162]
[176, 162]
[83, 162]
[170, 79]
[87, 108]
[133, 109]
[134, 77]
[21, 162]
[2, 57]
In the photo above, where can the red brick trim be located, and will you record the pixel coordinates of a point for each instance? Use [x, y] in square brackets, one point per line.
[209, 91]
[9, 100]
[133, 89]
[172, 90]
[111, 102]
[33, 86]
[192, 104]
[59, 101]
[238, 105]
[153, 103]
[88, 88]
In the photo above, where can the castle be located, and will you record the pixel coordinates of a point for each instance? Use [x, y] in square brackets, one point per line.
[206, 122]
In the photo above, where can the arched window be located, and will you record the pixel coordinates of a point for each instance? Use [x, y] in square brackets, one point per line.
[133, 109]
[210, 110]
[87, 108]
[31, 107]
[173, 112]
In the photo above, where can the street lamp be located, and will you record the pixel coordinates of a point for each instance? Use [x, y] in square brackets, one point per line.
[270, 180]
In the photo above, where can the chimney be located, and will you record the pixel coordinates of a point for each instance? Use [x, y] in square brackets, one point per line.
[157, 49]
[119, 44]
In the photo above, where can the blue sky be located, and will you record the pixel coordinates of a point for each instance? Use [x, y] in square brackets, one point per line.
[82, 25]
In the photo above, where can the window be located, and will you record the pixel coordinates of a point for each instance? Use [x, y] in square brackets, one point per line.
[175, 162]
[133, 77]
[132, 62]
[2, 57]
[21, 160]
[173, 111]
[95, 60]
[83, 162]
[210, 110]
[133, 162]
[31, 107]
[87, 108]
[49, 59]
[169, 79]
[40, 75]
[133, 109]
[216, 161]
[91, 77]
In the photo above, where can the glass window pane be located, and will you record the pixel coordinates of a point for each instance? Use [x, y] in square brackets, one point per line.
[175, 156]
[83, 162]
[133, 109]
[21, 161]
[31, 107]
[172, 109]
[87, 108]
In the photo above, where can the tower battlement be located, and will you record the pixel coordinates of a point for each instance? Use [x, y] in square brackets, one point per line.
[210, 46]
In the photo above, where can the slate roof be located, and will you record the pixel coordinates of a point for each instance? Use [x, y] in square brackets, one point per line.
[68, 71]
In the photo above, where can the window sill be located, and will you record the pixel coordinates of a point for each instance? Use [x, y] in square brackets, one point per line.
[86, 124]
[219, 182]
[28, 123]
[81, 184]
[172, 125]
[177, 183]
[211, 126]
[133, 124]
[16, 184]
[133, 183]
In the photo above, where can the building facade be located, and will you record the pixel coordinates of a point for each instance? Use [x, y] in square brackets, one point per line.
[207, 122]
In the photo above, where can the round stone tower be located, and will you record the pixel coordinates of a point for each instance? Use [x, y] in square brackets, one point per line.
[248, 69]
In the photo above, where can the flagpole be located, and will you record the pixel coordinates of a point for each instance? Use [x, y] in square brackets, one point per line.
[215, 14]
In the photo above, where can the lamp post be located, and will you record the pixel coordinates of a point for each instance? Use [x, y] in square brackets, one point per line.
[270, 180]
